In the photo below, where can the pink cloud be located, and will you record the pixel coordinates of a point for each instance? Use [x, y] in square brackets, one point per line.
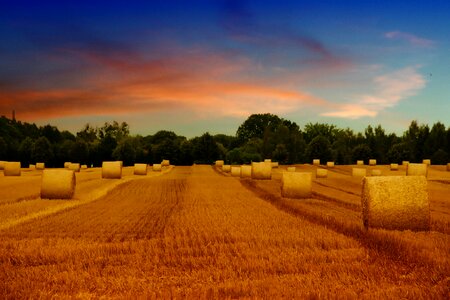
[411, 38]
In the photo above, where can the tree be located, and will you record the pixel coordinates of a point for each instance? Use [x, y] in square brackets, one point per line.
[313, 130]
[256, 126]
[205, 149]
[25, 151]
[319, 148]
[362, 152]
[125, 151]
[42, 150]
[281, 154]
[440, 157]
[79, 152]
[399, 152]
[3, 149]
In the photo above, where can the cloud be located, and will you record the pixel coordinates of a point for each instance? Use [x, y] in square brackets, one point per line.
[410, 38]
[390, 89]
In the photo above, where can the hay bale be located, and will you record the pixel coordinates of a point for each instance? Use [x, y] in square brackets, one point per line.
[246, 171]
[274, 164]
[156, 167]
[31, 166]
[67, 164]
[417, 170]
[58, 184]
[219, 163]
[321, 173]
[405, 163]
[330, 164]
[290, 169]
[165, 163]
[360, 163]
[394, 167]
[235, 171]
[140, 169]
[375, 172]
[83, 167]
[2, 164]
[316, 162]
[372, 162]
[226, 168]
[12, 168]
[395, 202]
[296, 185]
[261, 170]
[112, 169]
[426, 161]
[359, 172]
[448, 166]
[40, 166]
[268, 160]
[74, 167]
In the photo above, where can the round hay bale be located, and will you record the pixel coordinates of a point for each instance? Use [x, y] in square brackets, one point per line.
[219, 163]
[75, 167]
[40, 166]
[321, 173]
[2, 164]
[226, 168]
[417, 170]
[268, 160]
[330, 164]
[12, 168]
[372, 162]
[448, 166]
[375, 172]
[165, 163]
[395, 202]
[405, 163]
[296, 185]
[58, 184]
[112, 169]
[274, 164]
[394, 167]
[359, 172]
[246, 171]
[291, 169]
[235, 171]
[83, 167]
[316, 162]
[67, 164]
[261, 170]
[31, 166]
[156, 167]
[426, 161]
[360, 163]
[140, 169]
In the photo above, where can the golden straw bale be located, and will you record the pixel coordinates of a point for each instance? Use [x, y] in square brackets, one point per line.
[395, 202]
[321, 173]
[360, 162]
[417, 170]
[40, 166]
[67, 164]
[246, 171]
[274, 164]
[31, 166]
[156, 167]
[426, 161]
[58, 184]
[165, 163]
[330, 164]
[268, 160]
[372, 162]
[140, 169]
[2, 164]
[394, 167]
[83, 167]
[290, 169]
[12, 168]
[112, 169]
[359, 172]
[405, 163]
[261, 170]
[296, 185]
[236, 171]
[448, 166]
[316, 162]
[74, 167]
[219, 163]
[376, 172]
[226, 168]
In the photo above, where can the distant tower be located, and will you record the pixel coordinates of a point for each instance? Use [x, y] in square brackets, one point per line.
[13, 115]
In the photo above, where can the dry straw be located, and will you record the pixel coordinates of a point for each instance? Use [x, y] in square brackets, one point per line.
[321, 173]
[140, 169]
[448, 166]
[274, 164]
[75, 167]
[296, 185]
[360, 162]
[359, 172]
[290, 169]
[226, 168]
[236, 171]
[417, 170]
[376, 172]
[112, 169]
[157, 167]
[67, 164]
[83, 167]
[330, 164]
[372, 162]
[405, 163]
[426, 161]
[31, 166]
[268, 160]
[394, 167]
[12, 168]
[395, 202]
[219, 163]
[40, 166]
[261, 170]
[58, 184]
[316, 162]
[2, 164]
[246, 171]
[165, 163]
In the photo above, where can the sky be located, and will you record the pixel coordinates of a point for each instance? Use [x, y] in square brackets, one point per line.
[198, 66]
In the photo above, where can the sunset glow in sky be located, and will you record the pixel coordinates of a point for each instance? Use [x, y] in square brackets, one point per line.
[197, 66]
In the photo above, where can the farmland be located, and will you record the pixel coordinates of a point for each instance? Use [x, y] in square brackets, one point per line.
[199, 233]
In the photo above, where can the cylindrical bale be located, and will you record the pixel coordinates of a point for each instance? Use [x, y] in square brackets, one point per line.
[83, 167]
[372, 162]
[112, 169]
[67, 164]
[246, 171]
[296, 185]
[219, 163]
[330, 164]
[359, 172]
[316, 161]
[75, 167]
[396, 202]
[40, 166]
[360, 162]
[290, 169]
[321, 173]
[140, 169]
[165, 163]
[268, 160]
[58, 184]
[426, 161]
[226, 168]
[2, 164]
[261, 170]
[274, 164]
[417, 170]
[394, 167]
[31, 166]
[405, 163]
[375, 172]
[157, 167]
[448, 166]
[235, 171]
[12, 168]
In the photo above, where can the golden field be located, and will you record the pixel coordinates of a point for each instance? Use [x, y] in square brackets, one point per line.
[196, 232]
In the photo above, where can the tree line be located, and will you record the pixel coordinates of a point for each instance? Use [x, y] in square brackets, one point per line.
[260, 136]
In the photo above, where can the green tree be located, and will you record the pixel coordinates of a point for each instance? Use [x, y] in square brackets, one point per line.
[256, 126]
[362, 152]
[3, 149]
[440, 157]
[42, 151]
[125, 151]
[320, 148]
[25, 151]
[79, 152]
[205, 149]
